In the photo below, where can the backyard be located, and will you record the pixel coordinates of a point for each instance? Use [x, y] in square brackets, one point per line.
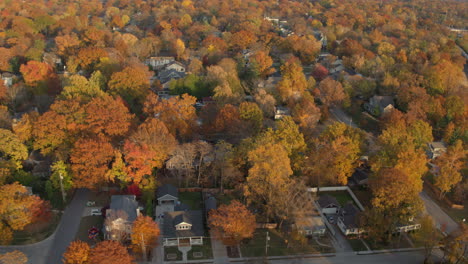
[192, 199]
[278, 245]
[343, 197]
[203, 252]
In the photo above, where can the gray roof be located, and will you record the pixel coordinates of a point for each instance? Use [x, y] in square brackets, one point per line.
[126, 203]
[326, 200]
[359, 175]
[173, 218]
[167, 189]
[382, 101]
[168, 75]
[210, 204]
[349, 215]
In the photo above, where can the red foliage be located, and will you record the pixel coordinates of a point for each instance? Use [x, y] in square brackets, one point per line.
[320, 72]
[134, 190]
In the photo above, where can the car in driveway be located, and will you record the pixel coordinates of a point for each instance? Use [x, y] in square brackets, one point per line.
[96, 212]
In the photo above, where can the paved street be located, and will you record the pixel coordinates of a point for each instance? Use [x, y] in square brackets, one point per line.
[441, 219]
[342, 117]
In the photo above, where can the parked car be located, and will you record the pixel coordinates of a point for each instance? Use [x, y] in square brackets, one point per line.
[331, 219]
[96, 212]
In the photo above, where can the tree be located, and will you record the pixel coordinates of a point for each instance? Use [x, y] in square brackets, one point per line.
[179, 48]
[11, 147]
[79, 87]
[232, 223]
[266, 102]
[428, 235]
[61, 176]
[455, 247]
[16, 206]
[450, 164]
[132, 84]
[261, 63]
[306, 113]
[109, 252]
[252, 113]
[90, 159]
[145, 233]
[40, 75]
[320, 72]
[14, 257]
[268, 176]
[77, 253]
[331, 92]
[50, 132]
[293, 82]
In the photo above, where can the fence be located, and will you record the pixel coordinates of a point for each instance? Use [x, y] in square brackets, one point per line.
[338, 188]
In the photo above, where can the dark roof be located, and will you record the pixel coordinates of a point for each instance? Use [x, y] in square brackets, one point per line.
[182, 218]
[126, 203]
[168, 75]
[210, 204]
[326, 200]
[359, 175]
[167, 189]
[349, 215]
[383, 101]
[181, 207]
[173, 218]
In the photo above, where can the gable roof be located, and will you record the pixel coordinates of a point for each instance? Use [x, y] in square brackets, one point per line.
[176, 63]
[349, 215]
[126, 203]
[326, 200]
[167, 189]
[171, 218]
[359, 175]
[210, 204]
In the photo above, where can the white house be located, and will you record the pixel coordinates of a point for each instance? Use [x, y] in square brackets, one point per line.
[159, 62]
[328, 204]
[175, 65]
[348, 220]
[125, 206]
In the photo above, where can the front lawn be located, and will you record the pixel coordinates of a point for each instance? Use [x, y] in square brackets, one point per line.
[207, 252]
[36, 232]
[172, 250]
[397, 241]
[87, 223]
[357, 245]
[343, 197]
[192, 199]
[278, 245]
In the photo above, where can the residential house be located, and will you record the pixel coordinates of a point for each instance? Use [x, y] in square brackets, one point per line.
[167, 194]
[328, 204]
[183, 228]
[435, 149]
[348, 220]
[166, 76]
[175, 65]
[281, 112]
[337, 67]
[379, 105]
[159, 62]
[360, 176]
[8, 78]
[126, 207]
[52, 59]
[311, 225]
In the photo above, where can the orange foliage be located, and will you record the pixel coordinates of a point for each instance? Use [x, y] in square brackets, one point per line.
[146, 231]
[109, 252]
[77, 253]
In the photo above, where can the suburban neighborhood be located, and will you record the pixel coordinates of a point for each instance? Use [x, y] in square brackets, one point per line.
[227, 131]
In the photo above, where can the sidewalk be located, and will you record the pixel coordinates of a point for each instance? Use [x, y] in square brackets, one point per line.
[219, 251]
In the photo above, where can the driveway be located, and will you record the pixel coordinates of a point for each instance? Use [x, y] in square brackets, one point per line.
[50, 250]
[441, 219]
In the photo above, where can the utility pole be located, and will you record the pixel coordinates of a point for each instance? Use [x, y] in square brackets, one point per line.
[64, 195]
[266, 245]
[143, 247]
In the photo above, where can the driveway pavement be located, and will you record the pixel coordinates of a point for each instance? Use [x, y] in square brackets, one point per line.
[219, 250]
[443, 221]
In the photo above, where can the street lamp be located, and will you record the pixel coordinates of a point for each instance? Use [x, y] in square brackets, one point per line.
[61, 187]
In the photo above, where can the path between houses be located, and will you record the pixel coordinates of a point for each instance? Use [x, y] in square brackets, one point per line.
[219, 250]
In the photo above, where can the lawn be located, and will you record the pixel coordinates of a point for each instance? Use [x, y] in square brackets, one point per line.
[277, 246]
[36, 232]
[343, 197]
[192, 199]
[396, 242]
[357, 245]
[224, 198]
[207, 252]
[86, 223]
[172, 250]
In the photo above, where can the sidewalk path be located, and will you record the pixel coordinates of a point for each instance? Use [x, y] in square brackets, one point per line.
[219, 251]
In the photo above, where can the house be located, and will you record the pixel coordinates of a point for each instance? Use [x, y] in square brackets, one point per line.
[337, 67]
[311, 225]
[175, 65]
[348, 220]
[167, 75]
[167, 194]
[8, 78]
[379, 105]
[281, 112]
[435, 149]
[360, 176]
[328, 204]
[183, 228]
[125, 209]
[159, 62]
[210, 204]
[52, 59]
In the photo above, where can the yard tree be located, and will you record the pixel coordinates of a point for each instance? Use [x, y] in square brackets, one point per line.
[428, 235]
[261, 63]
[6, 234]
[132, 84]
[24, 127]
[79, 87]
[16, 206]
[62, 170]
[145, 233]
[90, 159]
[13, 257]
[306, 113]
[293, 82]
[334, 154]
[266, 102]
[77, 253]
[450, 164]
[331, 92]
[232, 223]
[268, 176]
[109, 252]
[455, 246]
[118, 170]
[251, 113]
[140, 160]
[11, 147]
[39, 75]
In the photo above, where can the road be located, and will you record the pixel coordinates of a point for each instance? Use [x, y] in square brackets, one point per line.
[50, 250]
[441, 219]
[342, 116]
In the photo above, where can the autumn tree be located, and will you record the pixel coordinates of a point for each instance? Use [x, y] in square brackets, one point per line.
[251, 113]
[455, 246]
[90, 159]
[109, 252]
[266, 102]
[11, 147]
[78, 86]
[41, 76]
[331, 92]
[293, 82]
[132, 84]
[450, 164]
[306, 113]
[428, 235]
[232, 223]
[261, 64]
[268, 176]
[77, 253]
[145, 233]
[14, 257]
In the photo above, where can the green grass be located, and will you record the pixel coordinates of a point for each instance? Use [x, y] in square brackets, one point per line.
[172, 250]
[205, 249]
[224, 198]
[36, 232]
[86, 223]
[396, 242]
[343, 197]
[192, 199]
[357, 245]
[255, 247]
